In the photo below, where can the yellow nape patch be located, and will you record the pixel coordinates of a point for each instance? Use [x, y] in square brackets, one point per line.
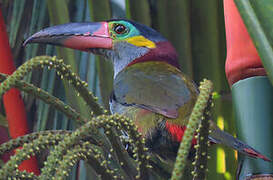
[141, 41]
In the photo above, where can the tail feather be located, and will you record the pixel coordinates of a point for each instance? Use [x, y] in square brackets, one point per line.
[220, 137]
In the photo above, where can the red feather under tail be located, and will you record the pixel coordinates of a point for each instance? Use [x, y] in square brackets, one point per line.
[177, 132]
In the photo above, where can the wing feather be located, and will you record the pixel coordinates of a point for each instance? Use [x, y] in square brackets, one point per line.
[160, 88]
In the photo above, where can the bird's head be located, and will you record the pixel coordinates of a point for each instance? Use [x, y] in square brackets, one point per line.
[125, 42]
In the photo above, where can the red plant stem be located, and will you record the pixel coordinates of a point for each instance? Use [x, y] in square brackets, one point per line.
[242, 59]
[13, 103]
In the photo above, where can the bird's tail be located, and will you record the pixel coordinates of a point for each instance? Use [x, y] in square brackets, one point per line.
[218, 136]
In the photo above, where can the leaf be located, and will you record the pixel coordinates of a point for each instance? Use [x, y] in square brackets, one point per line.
[58, 13]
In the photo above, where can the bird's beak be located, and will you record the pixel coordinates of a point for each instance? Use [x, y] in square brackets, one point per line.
[81, 36]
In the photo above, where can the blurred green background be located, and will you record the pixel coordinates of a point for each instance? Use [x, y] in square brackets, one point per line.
[195, 28]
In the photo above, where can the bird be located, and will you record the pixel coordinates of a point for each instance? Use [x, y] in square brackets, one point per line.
[149, 86]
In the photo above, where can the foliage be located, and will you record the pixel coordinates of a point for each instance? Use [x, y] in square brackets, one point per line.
[196, 28]
[103, 150]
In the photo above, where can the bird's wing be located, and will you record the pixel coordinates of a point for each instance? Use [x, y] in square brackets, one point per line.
[159, 87]
[166, 91]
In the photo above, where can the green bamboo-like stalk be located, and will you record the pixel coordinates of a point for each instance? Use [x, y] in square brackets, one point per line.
[142, 16]
[21, 10]
[127, 6]
[208, 47]
[118, 8]
[39, 19]
[58, 14]
[37, 22]
[174, 24]
[15, 21]
[257, 16]
[225, 104]
[100, 11]
[253, 104]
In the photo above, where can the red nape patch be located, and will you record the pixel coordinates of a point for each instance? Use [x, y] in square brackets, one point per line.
[177, 132]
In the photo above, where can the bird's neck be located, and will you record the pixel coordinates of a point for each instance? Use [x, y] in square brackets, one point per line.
[164, 52]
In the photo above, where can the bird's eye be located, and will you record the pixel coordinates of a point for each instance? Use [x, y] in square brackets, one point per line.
[120, 29]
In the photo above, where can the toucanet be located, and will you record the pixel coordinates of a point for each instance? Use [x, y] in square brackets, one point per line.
[149, 86]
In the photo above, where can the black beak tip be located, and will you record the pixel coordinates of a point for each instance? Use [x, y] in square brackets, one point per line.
[27, 41]
[33, 38]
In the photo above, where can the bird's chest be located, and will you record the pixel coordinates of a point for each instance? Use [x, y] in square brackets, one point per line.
[145, 120]
[153, 128]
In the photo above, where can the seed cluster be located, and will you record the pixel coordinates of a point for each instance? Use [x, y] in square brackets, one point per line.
[28, 150]
[195, 118]
[97, 140]
[49, 99]
[201, 156]
[63, 70]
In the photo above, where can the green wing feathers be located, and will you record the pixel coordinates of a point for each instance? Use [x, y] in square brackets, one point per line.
[157, 87]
